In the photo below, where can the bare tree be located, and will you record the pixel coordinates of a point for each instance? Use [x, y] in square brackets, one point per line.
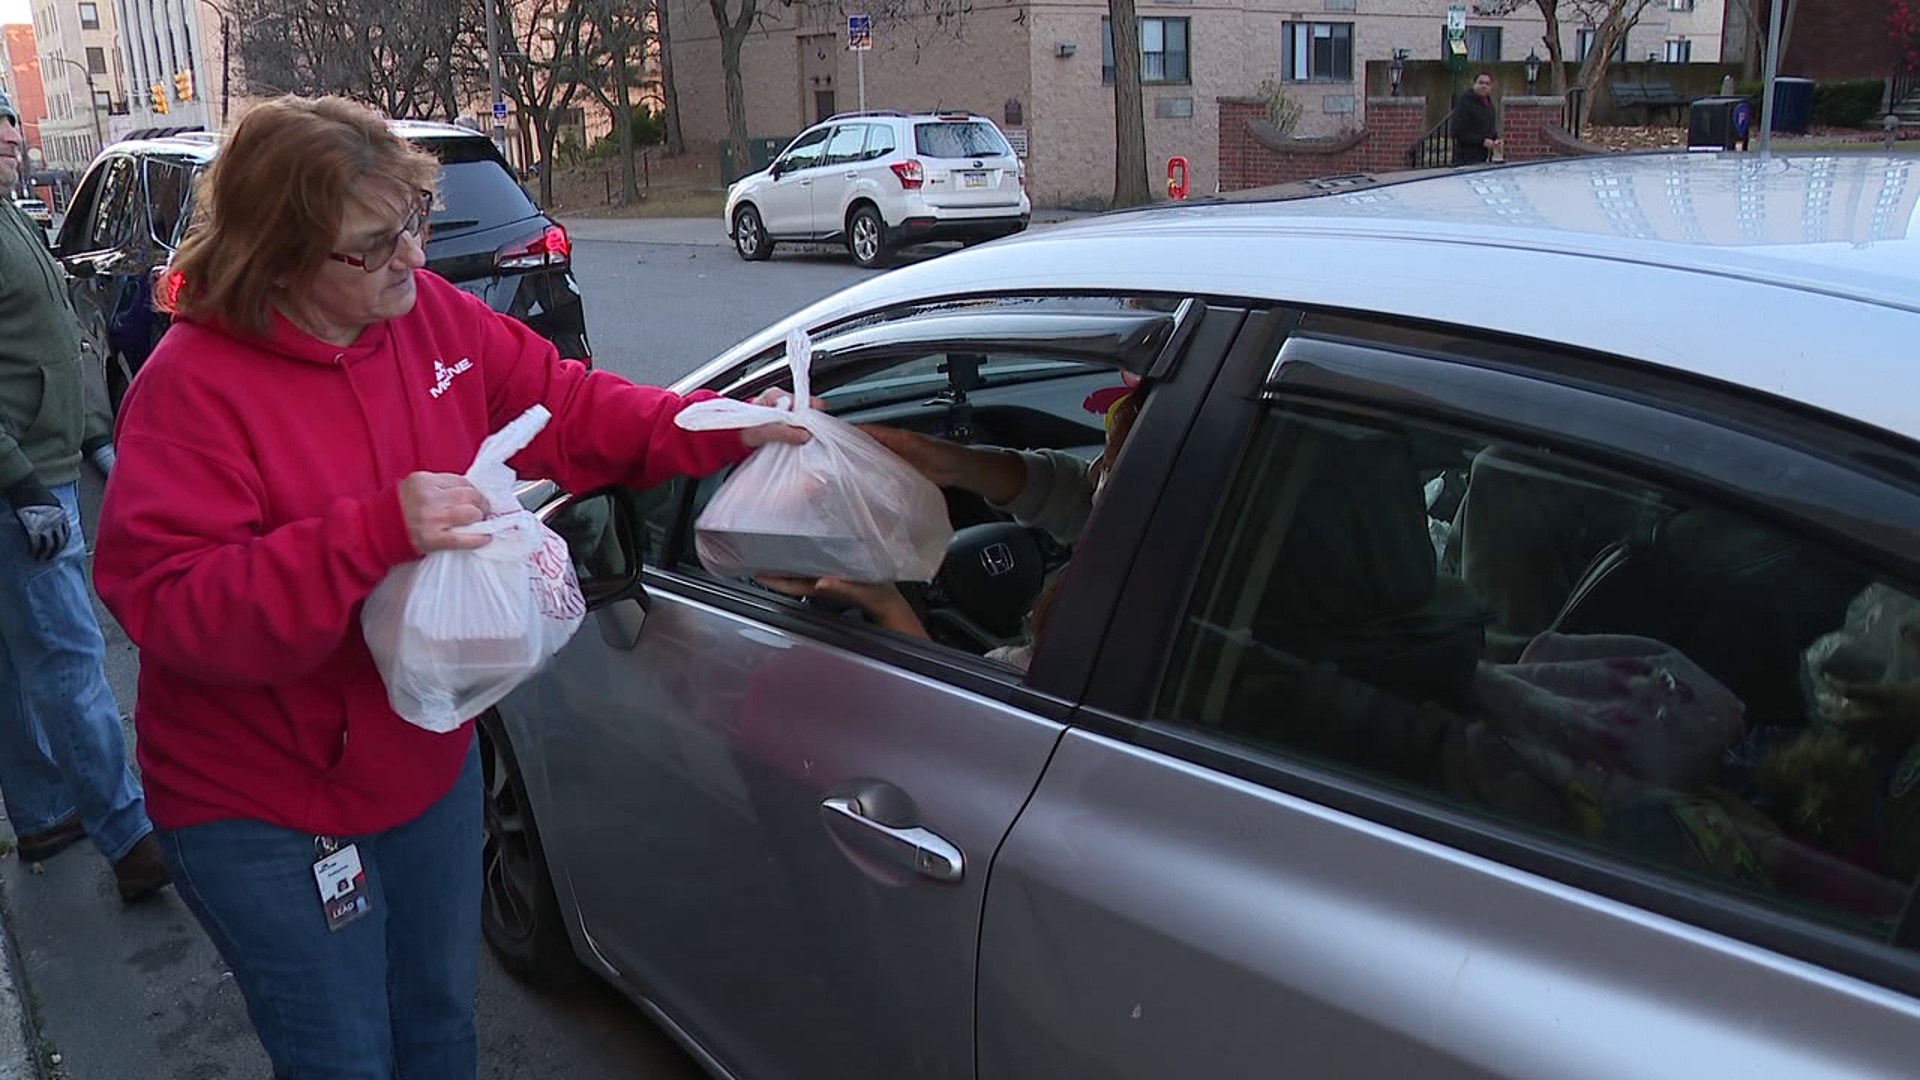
[614, 48]
[540, 72]
[734, 28]
[397, 55]
[669, 90]
[1610, 20]
[1129, 115]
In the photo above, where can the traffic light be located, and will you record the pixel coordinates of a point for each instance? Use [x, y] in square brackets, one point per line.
[157, 94]
[183, 85]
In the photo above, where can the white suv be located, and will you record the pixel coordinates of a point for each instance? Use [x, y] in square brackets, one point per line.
[878, 181]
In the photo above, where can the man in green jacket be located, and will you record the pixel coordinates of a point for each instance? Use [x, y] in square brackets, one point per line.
[63, 755]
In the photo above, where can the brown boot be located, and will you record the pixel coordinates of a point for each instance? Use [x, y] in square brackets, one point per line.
[141, 872]
[52, 840]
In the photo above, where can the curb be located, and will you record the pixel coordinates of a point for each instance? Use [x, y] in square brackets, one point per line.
[19, 1052]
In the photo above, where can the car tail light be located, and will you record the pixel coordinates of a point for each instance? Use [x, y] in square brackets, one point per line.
[910, 173]
[550, 248]
[164, 286]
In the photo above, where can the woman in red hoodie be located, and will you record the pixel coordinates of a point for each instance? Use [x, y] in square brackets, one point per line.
[296, 435]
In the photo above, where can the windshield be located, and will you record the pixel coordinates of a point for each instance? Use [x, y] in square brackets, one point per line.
[959, 139]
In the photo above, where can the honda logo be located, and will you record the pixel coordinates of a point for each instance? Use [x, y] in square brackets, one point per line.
[997, 560]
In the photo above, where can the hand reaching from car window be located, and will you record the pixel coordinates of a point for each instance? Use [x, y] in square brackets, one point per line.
[882, 602]
[996, 475]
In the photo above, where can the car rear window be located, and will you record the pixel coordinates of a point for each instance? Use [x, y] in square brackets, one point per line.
[958, 139]
[476, 191]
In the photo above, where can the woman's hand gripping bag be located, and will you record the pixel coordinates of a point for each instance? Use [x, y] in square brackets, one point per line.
[456, 631]
[839, 505]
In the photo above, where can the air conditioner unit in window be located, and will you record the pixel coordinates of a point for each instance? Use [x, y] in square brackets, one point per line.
[1065, 49]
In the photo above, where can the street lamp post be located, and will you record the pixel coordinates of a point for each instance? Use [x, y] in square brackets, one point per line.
[93, 102]
[226, 60]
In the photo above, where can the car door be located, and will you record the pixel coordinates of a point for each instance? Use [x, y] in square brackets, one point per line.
[775, 825]
[94, 248]
[839, 176]
[786, 202]
[1299, 829]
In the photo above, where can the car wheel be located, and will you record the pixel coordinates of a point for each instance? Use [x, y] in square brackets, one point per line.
[750, 235]
[520, 915]
[867, 238]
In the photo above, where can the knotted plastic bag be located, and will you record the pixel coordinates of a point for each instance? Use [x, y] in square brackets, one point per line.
[456, 631]
[839, 505]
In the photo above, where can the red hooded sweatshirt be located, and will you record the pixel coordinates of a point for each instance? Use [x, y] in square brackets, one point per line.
[254, 506]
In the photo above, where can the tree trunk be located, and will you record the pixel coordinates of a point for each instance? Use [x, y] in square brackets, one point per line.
[1786, 30]
[733, 38]
[623, 122]
[676, 139]
[1556, 58]
[1129, 117]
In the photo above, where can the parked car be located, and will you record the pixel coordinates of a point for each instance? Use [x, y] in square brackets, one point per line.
[37, 211]
[879, 181]
[133, 206]
[1410, 708]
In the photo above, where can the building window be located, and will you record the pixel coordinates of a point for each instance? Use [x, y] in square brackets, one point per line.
[1680, 51]
[1163, 52]
[89, 16]
[1318, 52]
[1679, 5]
[1584, 44]
[96, 60]
[1483, 44]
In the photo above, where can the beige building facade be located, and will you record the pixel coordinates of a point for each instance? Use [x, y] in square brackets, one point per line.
[83, 78]
[1039, 69]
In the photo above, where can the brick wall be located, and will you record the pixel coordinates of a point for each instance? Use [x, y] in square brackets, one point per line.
[1252, 155]
[1838, 39]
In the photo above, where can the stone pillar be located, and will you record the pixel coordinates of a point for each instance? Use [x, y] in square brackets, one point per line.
[1523, 125]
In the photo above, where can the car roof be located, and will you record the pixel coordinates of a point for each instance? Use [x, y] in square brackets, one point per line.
[201, 146]
[1797, 276]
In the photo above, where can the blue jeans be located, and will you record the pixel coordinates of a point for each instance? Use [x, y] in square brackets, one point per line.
[389, 995]
[61, 745]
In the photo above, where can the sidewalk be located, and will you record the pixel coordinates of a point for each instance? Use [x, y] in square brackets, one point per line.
[19, 1052]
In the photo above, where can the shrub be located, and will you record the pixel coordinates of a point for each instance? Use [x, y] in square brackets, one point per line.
[1282, 111]
[1848, 102]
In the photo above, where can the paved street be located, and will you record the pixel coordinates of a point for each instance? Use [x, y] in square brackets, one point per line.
[139, 992]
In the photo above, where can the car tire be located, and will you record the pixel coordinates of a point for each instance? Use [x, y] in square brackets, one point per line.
[519, 913]
[867, 238]
[750, 235]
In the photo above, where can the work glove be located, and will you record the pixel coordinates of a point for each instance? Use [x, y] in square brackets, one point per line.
[100, 453]
[42, 516]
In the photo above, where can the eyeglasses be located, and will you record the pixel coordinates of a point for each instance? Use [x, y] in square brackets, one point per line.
[381, 251]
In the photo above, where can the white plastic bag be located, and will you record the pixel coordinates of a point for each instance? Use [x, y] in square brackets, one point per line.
[456, 631]
[839, 505]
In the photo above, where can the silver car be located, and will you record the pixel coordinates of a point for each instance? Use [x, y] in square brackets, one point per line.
[1444, 685]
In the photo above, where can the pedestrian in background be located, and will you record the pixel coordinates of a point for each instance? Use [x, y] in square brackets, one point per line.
[1476, 130]
[63, 754]
[296, 435]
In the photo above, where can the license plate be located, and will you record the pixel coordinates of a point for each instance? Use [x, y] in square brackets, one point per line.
[973, 180]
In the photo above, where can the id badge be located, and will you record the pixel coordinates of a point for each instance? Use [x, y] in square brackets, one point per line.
[342, 881]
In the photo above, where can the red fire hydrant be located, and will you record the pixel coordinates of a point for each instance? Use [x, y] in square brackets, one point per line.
[1176, 178]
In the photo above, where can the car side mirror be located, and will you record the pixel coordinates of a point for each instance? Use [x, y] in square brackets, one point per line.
[603, 541]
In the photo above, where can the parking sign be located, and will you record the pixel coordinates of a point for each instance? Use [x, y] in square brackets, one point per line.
[500, 111]
[860, 32]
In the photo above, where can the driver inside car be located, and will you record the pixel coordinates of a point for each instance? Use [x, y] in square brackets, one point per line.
[1049, 490]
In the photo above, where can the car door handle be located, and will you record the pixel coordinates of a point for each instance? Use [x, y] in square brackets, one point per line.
[851, 175]
[923, 852]
[806, 183]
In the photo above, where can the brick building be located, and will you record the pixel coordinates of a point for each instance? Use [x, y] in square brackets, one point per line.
[1837, 39]
[1042, 70]
[23, 82]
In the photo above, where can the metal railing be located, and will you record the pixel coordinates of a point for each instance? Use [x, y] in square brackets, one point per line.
[1904, 87]
[1435, 148]
[1570, 113]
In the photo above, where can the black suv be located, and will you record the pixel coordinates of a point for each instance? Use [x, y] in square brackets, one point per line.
[486, 236]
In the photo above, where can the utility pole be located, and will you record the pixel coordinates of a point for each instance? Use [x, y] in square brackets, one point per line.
[1773, 70]
[226, 68]
[493, 78]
